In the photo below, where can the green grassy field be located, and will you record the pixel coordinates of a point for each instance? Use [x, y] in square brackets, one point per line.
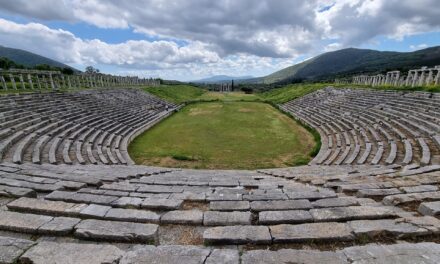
[176, 93]
[224, 135]
[228, 97]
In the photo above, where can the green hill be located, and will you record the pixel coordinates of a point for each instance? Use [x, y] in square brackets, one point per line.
[351, 61]
[29, 59]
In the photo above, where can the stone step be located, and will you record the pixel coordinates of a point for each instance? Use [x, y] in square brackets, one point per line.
[336, 202]
[280, 205]
[215, 218]
[58, 208]
[80, 197]
[229, 205]
[397, 228]
[399, 199]
[8, 191]
[36, 224]
[318, 232]
[161, 204]
[169, 254]
[426, 252]
[237, 235]
[430, 208]
[117, 231]
[350, 213]
[54, 252]
[284, 217]
[189, 217]
[11, 248]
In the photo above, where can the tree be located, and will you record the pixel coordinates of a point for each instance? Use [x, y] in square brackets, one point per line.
[43, 67]
[91, 70]
[67, 71]
[6, 63]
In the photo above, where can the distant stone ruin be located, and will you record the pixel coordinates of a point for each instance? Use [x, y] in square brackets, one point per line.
[17, 79]
[418, 77]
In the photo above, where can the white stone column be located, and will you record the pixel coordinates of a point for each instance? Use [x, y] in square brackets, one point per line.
[20, 77]
[38, 81]
[69, 84]
[422, 78]
[415, 78]
[11, 77]
[45, 82]
[430, 78]
[397, 78]
[437, 78]
[408, 77]
[31, 84]
[2, 79]
[52, 84]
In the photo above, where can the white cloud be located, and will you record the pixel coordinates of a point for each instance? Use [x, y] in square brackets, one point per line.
[221, 35]
[417, 47]
[64, 46]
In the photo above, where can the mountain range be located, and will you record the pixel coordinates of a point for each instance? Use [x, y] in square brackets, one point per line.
[347, 62]
[29, 59]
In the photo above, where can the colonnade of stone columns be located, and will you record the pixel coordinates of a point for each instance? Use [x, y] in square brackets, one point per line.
[14, 79]
[225, 87]
[417, 77]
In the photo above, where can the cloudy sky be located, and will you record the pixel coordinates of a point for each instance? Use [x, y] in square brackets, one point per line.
[191, 39]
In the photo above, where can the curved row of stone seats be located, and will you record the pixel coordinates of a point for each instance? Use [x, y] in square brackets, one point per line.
[361, 126]
[189, 215]
[87, 127]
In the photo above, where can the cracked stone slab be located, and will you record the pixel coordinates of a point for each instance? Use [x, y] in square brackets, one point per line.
[132, 215]
[224, 197]
[237, 235]
[398, 199]
[9, 191]
[419, 188]
[428, 222]
[312, 195]
[280, 205]
[311, 232]
[81, 197]
[11, 248]
[224, 256]
[336, 202]
[430, 208]
[33, 205]
[399, 253]
[395, 227]
[284, 217]
[116, 231]
[212, 218]
[127, 202]
[189, 196]
[191, 217]
[229, 206]
[59, 226]
[71, 253]
[160, 189]
[163, 204]
[167, 254]
[351, 213]
[26, 223]
[95, 211]
[287, 256]
[377, 193]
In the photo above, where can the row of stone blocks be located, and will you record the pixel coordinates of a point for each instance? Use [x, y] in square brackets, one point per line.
[128, 225]
[82, 127]
[27, 251]
[371, 127]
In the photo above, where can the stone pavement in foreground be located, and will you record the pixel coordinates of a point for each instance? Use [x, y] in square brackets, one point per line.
[140, 214]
